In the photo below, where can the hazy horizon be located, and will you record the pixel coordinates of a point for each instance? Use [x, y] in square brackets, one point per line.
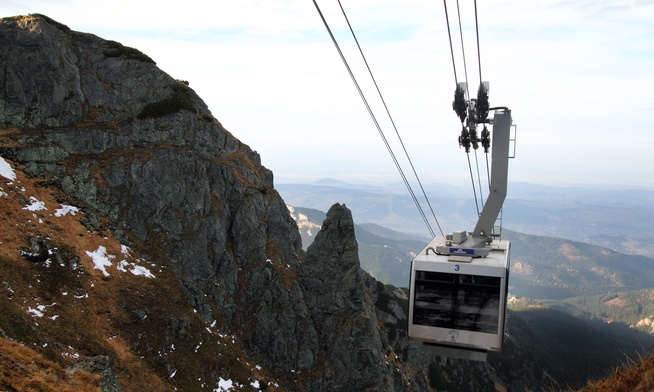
[465, 183]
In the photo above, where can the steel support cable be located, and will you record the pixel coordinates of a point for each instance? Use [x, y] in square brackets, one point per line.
[449, 34]
[463, 51]
[372, 116]
[473, 182]
[480, 86]
[478, 50]
[381, 97]
[465, 71]
[480, 82]
[481, 195]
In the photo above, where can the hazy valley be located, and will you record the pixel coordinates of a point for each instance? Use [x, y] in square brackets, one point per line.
[613, 217]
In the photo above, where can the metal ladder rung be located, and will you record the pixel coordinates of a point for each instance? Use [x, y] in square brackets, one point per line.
[512, 140]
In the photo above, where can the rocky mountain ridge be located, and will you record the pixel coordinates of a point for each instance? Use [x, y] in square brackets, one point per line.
[149, 168]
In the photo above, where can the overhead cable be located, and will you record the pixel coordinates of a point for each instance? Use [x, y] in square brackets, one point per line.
[478, 50]
[479, 98]
[374, 119]
[463, 51]
[381, 97]
[472, 178]
[449, 34]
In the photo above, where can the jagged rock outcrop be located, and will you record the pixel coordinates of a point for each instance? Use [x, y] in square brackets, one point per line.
[646, 324]
[335, 292]
[100, 365]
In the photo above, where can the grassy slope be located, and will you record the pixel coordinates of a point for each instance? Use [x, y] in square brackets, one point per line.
[23, 369]
[637, 378]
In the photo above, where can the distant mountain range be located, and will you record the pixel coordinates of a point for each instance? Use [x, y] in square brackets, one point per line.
[615, 218]
[554, 268]
[542, 267]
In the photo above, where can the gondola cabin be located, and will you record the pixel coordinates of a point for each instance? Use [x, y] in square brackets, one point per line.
[457, 302]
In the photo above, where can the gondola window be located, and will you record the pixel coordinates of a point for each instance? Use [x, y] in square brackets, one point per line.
[464, 302]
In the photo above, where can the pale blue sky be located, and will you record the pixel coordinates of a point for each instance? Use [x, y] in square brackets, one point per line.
[576, 74]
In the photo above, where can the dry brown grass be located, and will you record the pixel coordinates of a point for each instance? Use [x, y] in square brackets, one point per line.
[23, 369]
[637, 378]
[619, 301]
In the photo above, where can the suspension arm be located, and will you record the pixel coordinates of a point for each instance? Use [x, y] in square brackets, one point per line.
[499, 173]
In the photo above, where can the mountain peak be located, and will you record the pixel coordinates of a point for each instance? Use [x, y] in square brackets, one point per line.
[59, 77]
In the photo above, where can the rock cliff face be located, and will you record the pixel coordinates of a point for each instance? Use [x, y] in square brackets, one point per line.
[142, 156]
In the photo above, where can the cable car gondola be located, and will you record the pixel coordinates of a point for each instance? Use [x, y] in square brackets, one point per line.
[459, 282]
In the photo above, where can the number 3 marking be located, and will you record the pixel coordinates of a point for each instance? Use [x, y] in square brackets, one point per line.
[457, 267]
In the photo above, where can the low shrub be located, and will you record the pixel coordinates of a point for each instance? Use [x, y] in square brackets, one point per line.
[116, 49]
[179, 100]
